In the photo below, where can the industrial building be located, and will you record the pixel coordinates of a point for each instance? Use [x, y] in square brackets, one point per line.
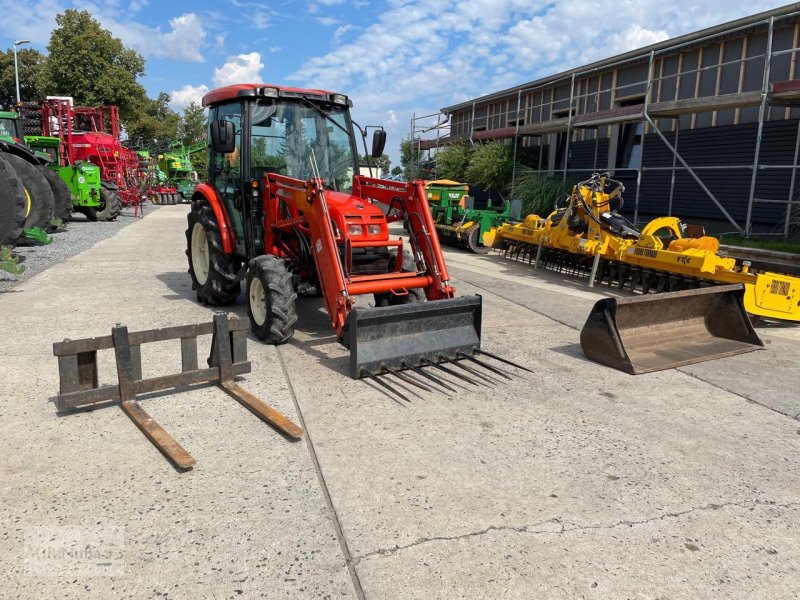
[701, 126]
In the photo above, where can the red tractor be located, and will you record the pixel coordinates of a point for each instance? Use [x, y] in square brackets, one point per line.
[286, 210]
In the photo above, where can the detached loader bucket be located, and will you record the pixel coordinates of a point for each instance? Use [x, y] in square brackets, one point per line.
[663, 331]
[394, 337]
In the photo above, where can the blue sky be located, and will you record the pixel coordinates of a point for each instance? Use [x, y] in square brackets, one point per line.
[392, 58]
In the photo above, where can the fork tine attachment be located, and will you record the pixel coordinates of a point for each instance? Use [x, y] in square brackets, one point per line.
[501, 359]
[436, 380]
[484, 365]
[382, 383]
[454, 373]
[406, 378]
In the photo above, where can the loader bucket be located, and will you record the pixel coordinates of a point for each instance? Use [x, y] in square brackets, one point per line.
[664, 331]
[408, 334]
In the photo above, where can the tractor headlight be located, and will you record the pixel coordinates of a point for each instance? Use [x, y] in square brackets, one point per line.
[340, 99]
[374, 229]
[81, 179]
[356, 230]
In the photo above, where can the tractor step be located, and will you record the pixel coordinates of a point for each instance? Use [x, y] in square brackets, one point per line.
[9, 262]
[35, 236]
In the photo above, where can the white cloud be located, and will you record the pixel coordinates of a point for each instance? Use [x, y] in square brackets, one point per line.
[420, 55]
[180, 99]
[243, 68]
[327, 21]
[185, 39]
[35, 21]
[341, 30]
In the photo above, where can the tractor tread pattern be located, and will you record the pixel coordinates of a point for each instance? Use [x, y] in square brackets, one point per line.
[222, 287]
[38, 188]
[12, 204]
[280, 296]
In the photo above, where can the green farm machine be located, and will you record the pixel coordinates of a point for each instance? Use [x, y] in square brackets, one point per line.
[33, 199]
[457, 222]
[176, 164]
[55, 127]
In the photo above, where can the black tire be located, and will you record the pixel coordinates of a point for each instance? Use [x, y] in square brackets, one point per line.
[62, 196]
[271, 299]
[38, 189]
[13, 205]
[109, 208]
[414, 296]
[219, 286]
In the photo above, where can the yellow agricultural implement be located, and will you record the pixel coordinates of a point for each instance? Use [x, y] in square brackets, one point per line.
[589, 236]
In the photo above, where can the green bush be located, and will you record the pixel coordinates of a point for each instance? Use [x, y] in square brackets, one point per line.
[491, 166]
[452, 161]
[538, 193]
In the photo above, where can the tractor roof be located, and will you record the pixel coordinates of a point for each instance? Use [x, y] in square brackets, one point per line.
[254, 90]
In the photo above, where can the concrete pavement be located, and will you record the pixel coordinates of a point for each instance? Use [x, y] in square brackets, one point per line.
[575, 481]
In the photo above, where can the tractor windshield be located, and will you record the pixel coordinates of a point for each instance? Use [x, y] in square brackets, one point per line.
[8, 127]
[290, 138]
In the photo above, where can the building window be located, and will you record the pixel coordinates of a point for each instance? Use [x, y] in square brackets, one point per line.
[629, 150]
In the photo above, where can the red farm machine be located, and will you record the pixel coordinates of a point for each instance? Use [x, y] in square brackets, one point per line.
[286, 211]
[92, 134]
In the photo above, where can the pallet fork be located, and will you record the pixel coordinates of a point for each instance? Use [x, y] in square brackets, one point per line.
[77, 366]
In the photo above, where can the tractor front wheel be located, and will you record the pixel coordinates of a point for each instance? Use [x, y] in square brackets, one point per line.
[213, 272]
[271, 299]
[413, 296]
[13, 204]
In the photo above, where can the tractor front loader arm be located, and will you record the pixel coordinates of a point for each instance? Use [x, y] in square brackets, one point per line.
[308, 198]
[410, 198]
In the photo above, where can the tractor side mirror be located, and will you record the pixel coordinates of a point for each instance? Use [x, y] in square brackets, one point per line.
[378, 142]
[223, 136]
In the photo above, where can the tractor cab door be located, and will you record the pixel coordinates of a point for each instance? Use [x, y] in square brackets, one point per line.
[226, 171]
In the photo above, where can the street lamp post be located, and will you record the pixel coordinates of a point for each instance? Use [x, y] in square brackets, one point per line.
[16, 68]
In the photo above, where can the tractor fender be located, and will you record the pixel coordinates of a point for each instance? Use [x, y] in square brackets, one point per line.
[205, 191]
[23, 152]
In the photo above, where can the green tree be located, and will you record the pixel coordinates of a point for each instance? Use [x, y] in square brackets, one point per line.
[452, 161]
[491, 166]
[31, 63]
[409, 159]
[397, 170]
[193, 126]
[154, 124]
[383, 162]
[86, 62]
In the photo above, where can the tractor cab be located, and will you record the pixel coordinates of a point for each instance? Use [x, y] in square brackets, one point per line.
[10, 127]
[300, 134]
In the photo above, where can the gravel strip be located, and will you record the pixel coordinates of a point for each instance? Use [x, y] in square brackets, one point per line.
[80, 235]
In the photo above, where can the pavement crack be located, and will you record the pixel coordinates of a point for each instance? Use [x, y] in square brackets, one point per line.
[449, 538]
[563, 527]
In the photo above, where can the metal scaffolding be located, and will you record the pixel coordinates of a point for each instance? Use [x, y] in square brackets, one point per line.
[651, 110]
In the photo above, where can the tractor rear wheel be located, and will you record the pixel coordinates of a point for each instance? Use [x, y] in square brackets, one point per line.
[213, 272]
[414, 295]
[13, 205]
[270, 299]
[37, 190]
[62, 196]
